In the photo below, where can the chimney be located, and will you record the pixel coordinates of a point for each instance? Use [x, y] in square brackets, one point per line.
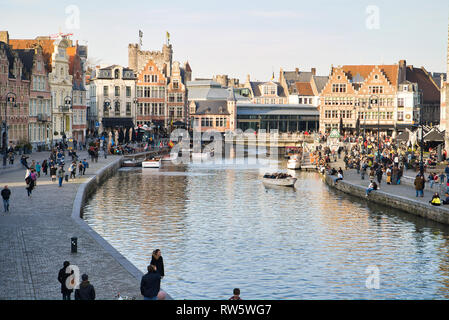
[313, 70]
[402, 71]
[4, 37]
[248, 78]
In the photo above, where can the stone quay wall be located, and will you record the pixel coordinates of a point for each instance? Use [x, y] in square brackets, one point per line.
[425, 210]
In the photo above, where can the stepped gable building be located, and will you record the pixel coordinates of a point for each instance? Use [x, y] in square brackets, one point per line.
[39, 116]
[268, 92]
[161, 86]
[79, 103]
[15, 79]
[302, 87]
[372, 96]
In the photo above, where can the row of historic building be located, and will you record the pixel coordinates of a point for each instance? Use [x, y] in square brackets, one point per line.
[48, 92]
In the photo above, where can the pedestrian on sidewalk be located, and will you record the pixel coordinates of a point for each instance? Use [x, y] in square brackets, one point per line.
[85, 166]
[45, 167]
[23, 161]
[236, 295]
[379, 174]
[150, 284]
[156, 260]
[61, 175]
[53, 171]
[6, 193]
[62, 278]
[38, 169]
[80, 168]
[33, 165]
[419, 185]
[72, 170]
[86, 291]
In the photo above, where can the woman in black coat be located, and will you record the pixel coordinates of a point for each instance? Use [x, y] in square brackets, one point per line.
[62, 278]
[156, 259]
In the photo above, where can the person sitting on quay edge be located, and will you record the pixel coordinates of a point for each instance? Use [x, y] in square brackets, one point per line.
[156, 260]
[446, 200]
[150, 284]
[372, 186]
[436, 201]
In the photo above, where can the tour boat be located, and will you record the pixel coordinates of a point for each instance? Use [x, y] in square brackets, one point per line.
[285, 181]
[154, 163]
[294, 162]
[131, 163]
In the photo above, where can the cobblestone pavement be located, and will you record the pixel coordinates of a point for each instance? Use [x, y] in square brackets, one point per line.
[35, 240]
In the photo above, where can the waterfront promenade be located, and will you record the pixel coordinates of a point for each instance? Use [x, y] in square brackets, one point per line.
[401, 196]
[35, 239]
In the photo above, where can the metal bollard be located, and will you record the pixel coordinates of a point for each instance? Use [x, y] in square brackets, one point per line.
[74, 244]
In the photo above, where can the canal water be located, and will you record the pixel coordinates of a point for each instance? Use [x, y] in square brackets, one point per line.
[220, 228]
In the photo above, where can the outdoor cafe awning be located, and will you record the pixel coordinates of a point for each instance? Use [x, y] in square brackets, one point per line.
[434, 136]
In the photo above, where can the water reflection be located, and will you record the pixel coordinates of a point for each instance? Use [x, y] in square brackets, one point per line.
[218, 228]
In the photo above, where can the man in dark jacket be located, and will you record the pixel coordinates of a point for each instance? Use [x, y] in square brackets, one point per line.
[150, 284]
[86, 290]
[62, 278]
[419, 185]
[6, 193]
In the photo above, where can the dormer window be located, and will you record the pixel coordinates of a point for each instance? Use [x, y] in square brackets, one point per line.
[269, 90]
[405, 88]
[116, 73]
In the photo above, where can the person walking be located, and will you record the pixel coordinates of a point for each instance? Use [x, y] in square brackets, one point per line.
[38, 169]
[379, 174]
[45, 167]
[6, 193]
[53, 171]
[72, 170]
[85, 165]
[150, 284]
[62, 278]
[80, 168]
[29, 183]
[60, 175]
[419, 185]
[86, 291]
[156, 260]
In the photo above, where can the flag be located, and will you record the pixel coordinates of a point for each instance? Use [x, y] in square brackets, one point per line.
[171, 144]
[168, 36]
[272, 77]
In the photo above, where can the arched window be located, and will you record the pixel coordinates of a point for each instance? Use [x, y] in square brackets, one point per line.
[117, 73]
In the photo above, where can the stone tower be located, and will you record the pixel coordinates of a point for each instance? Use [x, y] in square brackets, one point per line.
[167, 53]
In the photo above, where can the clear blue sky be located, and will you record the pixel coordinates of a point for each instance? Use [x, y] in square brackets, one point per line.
[247, 37]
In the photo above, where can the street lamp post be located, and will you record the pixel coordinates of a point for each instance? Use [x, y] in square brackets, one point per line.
[421, 123]
[65, 108]
[376, 99]
[10, 97]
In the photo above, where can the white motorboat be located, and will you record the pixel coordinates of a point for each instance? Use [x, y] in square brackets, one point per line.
[288, 181]
[154, 163]
[293, 164]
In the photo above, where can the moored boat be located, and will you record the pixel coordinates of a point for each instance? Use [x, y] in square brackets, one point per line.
[131, 163]
[153, 163]
[294, 163]
[279, 179]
